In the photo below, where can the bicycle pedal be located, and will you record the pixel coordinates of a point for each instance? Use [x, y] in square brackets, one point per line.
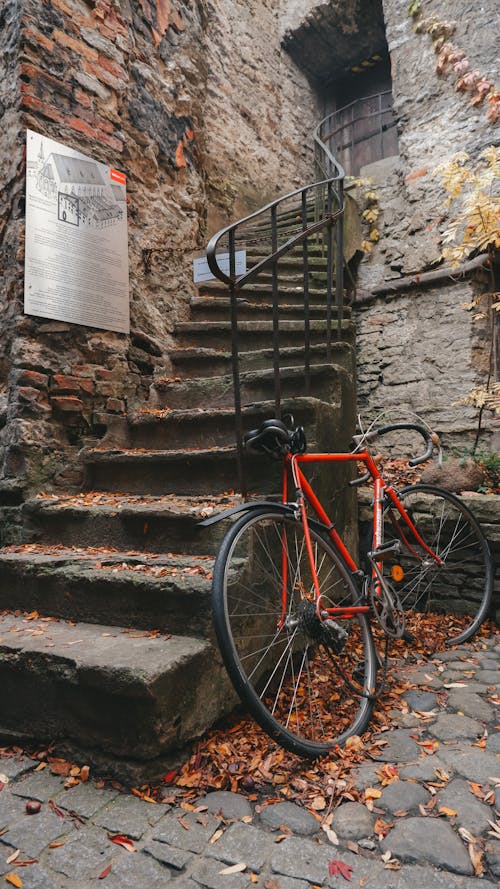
[385, 552]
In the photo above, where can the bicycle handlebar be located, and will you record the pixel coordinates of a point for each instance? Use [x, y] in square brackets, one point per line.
[430, 438]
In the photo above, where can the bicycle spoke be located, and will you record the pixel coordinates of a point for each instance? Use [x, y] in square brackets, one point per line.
[279, 669]
[464, 575]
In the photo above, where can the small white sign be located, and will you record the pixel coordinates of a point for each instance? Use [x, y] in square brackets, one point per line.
[76, 265]
[202, 273]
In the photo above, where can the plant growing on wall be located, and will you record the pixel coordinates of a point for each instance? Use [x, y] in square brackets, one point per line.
[474, 229]
[368, 199]
[452, 61]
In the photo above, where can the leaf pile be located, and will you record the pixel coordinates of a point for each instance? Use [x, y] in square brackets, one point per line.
[238, 756]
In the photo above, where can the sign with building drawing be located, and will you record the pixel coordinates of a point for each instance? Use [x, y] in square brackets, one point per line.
[76, 265]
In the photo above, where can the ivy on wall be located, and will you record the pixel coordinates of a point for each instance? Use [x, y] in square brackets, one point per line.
[453, 62]
[474, 229]
[368, 199]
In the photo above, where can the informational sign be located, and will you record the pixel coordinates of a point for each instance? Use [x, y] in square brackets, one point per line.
[76, 266]
[202, 273]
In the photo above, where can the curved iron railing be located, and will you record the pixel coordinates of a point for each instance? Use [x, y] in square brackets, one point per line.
[359, 133]
[263, 238]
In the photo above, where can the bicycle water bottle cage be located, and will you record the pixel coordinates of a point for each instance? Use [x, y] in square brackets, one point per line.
[273, 438]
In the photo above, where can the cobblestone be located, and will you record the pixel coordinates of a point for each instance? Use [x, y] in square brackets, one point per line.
[230, 805]
[175, 846]
[290, 815]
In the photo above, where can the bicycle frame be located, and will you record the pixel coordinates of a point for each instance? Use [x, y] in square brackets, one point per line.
[305, 494]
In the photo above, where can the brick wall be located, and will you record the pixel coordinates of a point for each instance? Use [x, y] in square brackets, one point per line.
[190, 100]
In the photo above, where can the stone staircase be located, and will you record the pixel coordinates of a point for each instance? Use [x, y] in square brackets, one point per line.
[106, 644]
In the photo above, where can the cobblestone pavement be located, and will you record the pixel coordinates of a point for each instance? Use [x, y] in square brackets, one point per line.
[281, 845]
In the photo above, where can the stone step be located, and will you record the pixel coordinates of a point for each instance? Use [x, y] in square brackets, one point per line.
[205, 362]
[185, 471]
[291, 289]
[218, 308]
[255, 334]
[146, 591]
[145, 523]
[326, 383]
[201, 427]
[290, 263]
[118, 700]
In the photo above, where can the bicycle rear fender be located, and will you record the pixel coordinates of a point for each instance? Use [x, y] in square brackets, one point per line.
[251, 506]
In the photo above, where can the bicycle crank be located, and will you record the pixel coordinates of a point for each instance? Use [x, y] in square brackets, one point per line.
[386, 603]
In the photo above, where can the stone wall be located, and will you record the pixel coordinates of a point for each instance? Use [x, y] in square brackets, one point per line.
[197, 103]
[420, 351]
[434, 122]
[484, 507]
[259, 111]
[11, 190]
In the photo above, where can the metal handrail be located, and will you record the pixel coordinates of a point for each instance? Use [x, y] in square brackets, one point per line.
[315, 208]
[331, 119]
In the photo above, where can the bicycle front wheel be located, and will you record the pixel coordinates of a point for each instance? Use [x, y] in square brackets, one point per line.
[456, 590]
[305, 681]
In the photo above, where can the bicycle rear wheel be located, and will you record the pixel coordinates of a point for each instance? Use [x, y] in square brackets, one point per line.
[305, 682]
[461, 586]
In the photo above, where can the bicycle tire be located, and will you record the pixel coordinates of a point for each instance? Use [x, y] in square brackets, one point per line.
[462, 586]
[309, 707]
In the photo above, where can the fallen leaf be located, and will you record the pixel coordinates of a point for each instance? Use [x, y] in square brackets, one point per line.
[233, 869]
[217, 835]
[332, 836]
[337, 868]
[443, 810]
[104, 873]
[13, 857]
[124, 841]
[318, 803]
[382, 827]
[496, 829]
[55, 808]
[14, 880]
[354, 743]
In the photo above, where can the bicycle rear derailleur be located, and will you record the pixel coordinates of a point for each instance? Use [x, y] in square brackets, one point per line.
[324, 632]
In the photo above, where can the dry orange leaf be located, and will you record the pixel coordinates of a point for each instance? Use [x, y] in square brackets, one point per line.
[443, 810]
[14, 880]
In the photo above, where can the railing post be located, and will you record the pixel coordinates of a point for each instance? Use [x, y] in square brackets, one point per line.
[329, 274]
[276, 344]
[307, 320]
[339, 260]
[235, 362]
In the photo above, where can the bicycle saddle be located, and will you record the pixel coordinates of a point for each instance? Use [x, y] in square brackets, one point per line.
[274, 438]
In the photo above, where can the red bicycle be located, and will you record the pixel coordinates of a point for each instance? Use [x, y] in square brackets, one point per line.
[293, 611]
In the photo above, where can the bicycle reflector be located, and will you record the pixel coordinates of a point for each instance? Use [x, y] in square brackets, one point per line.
[397, 573]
